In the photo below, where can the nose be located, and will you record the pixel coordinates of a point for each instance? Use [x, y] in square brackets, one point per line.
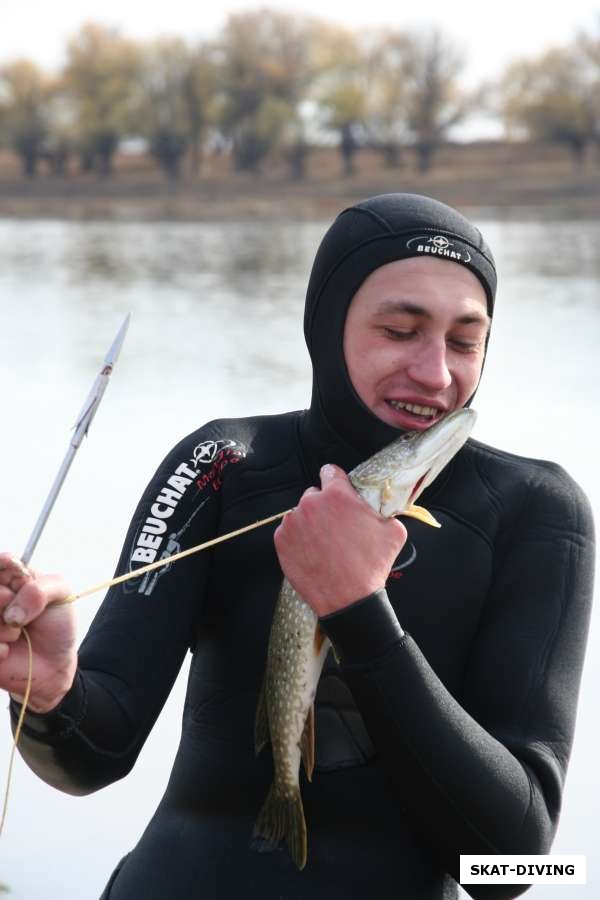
[429, 368]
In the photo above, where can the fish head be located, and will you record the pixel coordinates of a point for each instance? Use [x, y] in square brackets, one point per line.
[392, 479]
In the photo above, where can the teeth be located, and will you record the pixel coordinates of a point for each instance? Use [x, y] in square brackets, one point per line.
[414, 408]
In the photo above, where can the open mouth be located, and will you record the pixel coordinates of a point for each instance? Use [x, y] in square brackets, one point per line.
[425, 413]
[415, 490]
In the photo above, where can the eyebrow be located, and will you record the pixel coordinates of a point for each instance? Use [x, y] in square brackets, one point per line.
[406, 306]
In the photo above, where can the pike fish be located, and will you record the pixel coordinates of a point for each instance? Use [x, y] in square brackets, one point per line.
[390, 481]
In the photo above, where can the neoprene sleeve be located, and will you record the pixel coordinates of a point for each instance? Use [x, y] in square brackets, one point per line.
[485, 770]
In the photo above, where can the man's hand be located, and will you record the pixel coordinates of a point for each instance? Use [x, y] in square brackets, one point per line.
[333, 548]
[24, 600]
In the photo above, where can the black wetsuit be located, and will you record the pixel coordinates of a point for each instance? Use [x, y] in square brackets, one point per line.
[470, 715]
[452, 737]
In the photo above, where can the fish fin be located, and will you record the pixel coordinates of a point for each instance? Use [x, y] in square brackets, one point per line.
[262, 735]
[281, 817]
[386, 491]
[422, 514]
[320, 638]
[307, 743]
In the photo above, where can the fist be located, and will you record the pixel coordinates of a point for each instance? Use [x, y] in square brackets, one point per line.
[333, 548]
[26, 598]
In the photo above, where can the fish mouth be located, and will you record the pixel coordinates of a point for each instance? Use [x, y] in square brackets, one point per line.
[434, 448]
[393, 479]
[415, 491]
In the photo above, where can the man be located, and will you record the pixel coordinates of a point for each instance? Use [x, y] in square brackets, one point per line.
[447, 724]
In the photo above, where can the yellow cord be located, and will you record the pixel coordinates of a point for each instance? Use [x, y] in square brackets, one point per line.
[169, 559]
[416, 512]
[135, 574]
[19, 724]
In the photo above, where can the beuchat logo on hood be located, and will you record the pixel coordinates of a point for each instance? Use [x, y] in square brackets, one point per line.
[439, 246]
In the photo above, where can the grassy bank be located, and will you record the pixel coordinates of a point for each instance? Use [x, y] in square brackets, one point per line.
[502, 178]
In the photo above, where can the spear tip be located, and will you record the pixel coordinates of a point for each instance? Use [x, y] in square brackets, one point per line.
[115, 347]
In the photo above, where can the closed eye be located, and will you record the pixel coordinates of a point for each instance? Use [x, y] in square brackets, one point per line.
[397, 335]
[466, 346]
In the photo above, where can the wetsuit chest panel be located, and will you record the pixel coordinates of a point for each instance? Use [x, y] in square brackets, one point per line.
[342, 739]
[439, 596]
[436, 589]
[232, 641]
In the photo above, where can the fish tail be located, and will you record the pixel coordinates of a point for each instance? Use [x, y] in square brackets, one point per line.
[282, 817]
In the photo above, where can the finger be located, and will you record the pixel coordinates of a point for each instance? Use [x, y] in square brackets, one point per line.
[9, 633]
[6, 595]
[293, 513]
[284, 525]
[27, 604]
[290, 520]
[11, 561]
[33, 597]
[397, 528]
[17, 581]
[11, 567]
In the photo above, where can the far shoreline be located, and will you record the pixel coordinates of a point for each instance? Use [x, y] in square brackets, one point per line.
[492, 179]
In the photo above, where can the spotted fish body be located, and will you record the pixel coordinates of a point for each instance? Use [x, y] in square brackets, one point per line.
[389, 481]
[297, 651]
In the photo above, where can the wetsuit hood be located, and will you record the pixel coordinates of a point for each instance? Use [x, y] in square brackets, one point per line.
[338, 426]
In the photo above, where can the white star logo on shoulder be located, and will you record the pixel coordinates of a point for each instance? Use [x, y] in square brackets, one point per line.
[206, 451]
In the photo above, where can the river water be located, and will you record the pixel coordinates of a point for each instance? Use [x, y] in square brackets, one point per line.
[217, 331]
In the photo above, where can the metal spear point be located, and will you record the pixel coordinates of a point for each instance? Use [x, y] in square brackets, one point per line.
[84, 420]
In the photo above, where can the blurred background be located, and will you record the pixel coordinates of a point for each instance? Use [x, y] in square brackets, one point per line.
[184, 165]
[178, 113]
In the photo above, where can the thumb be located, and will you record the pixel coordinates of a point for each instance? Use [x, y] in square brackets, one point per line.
[329, 473]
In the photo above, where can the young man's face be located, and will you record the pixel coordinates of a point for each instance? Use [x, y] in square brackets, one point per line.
[414, 340]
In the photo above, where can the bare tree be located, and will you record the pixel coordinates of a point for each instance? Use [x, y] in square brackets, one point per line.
[548, 98]
[434, 100]
[264, 58]
[387, 99]
[24, 90]
[61, 137]
[341, 87]
[162, 115]
[587, 46]
[200, 88]
[101, 77]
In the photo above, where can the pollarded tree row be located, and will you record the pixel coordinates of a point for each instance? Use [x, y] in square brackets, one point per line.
[272, 81]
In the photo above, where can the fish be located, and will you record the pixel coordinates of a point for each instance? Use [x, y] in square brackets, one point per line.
[389, 481]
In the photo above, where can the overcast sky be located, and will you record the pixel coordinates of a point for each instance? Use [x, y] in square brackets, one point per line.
[490, 33]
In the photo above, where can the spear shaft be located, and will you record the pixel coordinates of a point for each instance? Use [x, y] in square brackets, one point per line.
[84, 420]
